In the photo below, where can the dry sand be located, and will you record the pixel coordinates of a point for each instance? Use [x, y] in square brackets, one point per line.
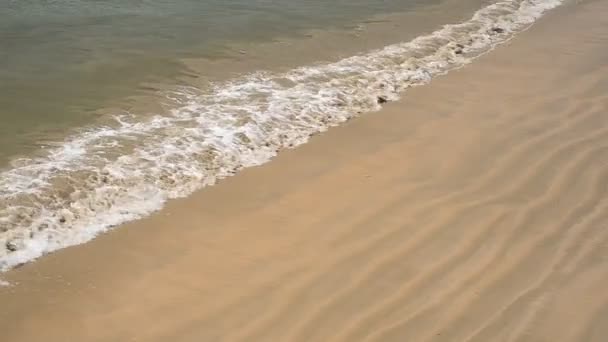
[474, 210]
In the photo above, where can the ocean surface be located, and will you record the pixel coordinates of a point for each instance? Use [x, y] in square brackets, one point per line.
[110, 108]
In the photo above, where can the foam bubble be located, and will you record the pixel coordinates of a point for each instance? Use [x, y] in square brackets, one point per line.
[106, 176]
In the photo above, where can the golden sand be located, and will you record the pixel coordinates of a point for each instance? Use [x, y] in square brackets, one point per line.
[473, 210]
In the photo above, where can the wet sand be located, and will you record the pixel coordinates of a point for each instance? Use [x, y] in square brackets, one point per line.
[473, 210]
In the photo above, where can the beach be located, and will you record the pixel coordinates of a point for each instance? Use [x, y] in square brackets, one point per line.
[226, 115]
[473, 208]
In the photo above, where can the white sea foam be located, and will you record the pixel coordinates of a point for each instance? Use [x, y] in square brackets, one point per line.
[109, 175]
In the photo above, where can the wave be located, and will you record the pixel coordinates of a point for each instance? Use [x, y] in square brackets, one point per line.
[106, 176]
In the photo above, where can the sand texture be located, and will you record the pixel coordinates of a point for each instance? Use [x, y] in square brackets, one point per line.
[475, 209]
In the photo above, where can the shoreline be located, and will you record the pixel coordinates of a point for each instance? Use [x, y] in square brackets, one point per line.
[468, 209]
[118, 173]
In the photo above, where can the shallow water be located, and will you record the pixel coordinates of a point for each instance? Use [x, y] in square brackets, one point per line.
[136, 104]
[61, 61]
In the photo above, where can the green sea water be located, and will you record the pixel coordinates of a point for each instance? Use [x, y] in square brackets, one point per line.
[63, 60]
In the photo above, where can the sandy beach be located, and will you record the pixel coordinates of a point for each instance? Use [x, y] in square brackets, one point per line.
[474, 209]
